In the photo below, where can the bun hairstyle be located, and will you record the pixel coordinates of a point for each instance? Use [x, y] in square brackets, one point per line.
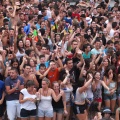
[46, 80]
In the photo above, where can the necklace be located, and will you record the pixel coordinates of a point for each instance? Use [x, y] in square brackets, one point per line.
[45, 93]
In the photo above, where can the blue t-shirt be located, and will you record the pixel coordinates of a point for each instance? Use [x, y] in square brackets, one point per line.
[12, 83]
[46, 18]
[86, 56]
[68, 20]
[46, 64]
[2, 88]
[37, 26]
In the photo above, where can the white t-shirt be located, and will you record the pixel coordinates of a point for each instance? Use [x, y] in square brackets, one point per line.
[49, 14]
[95, 52]
[28, 105]
[112, 32]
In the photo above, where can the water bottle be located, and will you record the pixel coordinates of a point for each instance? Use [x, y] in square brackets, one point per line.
[38, 96]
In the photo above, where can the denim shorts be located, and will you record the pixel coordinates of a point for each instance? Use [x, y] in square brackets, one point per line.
[90, 99]
[45, 113]
[58, 110]
[27, 113]
[110, 97]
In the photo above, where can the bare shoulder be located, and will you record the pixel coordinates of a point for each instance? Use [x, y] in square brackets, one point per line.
[50, 91]
[32, 75]
[22, 76]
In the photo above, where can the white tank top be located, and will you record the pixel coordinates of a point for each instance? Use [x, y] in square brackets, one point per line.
[68, 92]
[19, 55]
[80, 97]
[45, 103]
[89, 92]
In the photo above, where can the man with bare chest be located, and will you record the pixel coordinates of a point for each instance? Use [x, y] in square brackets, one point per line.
[12, 12]
[27, 76]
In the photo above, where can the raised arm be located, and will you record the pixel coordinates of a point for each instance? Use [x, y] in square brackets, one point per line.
[82, 89]
[83, 67]
[66, 78]
[41, 37]
[35, 81]
[104, 85]
[71, 39]
[45, 74]
[14, 12]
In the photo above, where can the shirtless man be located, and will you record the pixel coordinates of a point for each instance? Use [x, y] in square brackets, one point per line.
[117, 17]
[12, 13]
[27, 76]
[109, 24]
[5, 37]
[1, 18]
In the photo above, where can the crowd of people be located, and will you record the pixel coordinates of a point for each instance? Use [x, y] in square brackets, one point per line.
[59, 61]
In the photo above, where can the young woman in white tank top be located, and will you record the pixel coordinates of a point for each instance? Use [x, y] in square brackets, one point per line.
[45, 94]
[67, 87]
[19, 50]
[79, 107]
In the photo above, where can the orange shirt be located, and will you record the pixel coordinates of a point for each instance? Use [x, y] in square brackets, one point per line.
[53, 75]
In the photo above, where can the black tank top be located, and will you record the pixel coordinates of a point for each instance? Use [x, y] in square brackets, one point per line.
[58, 104]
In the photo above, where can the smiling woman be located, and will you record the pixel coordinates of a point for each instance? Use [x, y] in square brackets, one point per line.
[45, 108]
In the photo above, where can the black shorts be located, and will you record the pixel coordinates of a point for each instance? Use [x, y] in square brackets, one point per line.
[1, 110]
[79, 109]
[58, 110]
[28, 113]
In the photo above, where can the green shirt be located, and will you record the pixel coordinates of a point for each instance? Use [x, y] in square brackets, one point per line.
[86, 56]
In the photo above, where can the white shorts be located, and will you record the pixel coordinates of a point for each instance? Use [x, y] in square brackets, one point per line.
[13, 109]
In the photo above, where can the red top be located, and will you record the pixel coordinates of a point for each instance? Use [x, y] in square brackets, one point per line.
[76, 15]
